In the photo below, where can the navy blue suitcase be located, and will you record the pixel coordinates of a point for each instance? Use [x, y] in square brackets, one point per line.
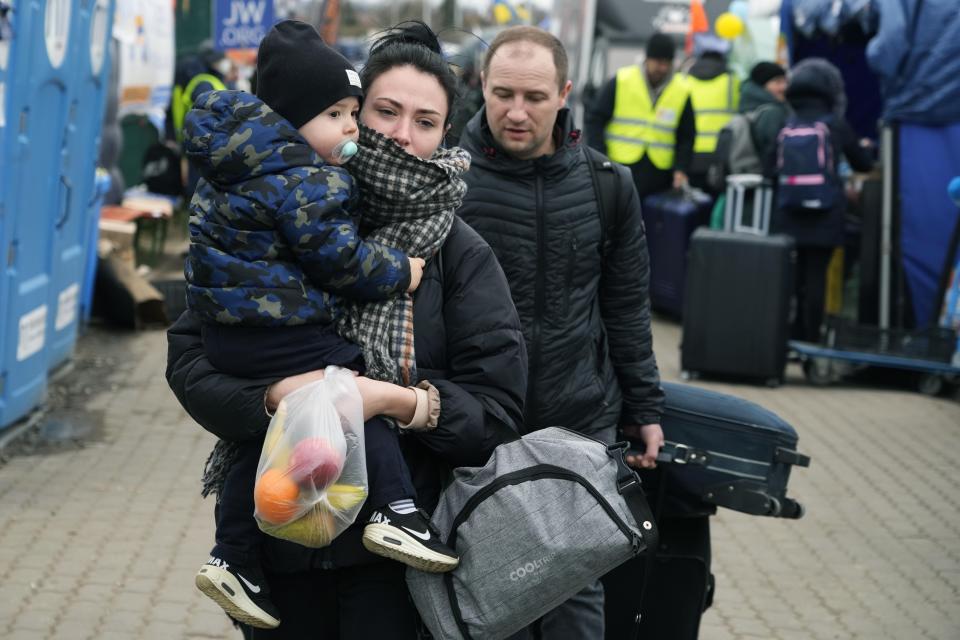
[670, 219]
[724, 451]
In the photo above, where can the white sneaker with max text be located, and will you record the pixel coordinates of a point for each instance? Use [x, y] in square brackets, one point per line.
[410, 539]
[241, 591]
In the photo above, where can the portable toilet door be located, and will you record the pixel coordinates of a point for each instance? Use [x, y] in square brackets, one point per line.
[37, 193]
[8, 57]
[88, 49]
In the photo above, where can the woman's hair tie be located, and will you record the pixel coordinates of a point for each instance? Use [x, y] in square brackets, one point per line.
[411, 32]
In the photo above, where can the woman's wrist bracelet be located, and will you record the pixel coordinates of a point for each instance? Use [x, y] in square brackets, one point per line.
[266, 406]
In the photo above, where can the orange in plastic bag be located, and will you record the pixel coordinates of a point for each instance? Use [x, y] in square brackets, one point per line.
[312, 477]
[275, 497]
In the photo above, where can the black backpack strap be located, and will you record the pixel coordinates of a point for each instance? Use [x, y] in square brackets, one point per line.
[606, 188]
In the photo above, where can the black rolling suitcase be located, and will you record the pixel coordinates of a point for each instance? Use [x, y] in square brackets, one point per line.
[736, 315]
[676, 583]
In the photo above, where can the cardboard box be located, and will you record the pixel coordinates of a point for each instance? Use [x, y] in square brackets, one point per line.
[117, 239]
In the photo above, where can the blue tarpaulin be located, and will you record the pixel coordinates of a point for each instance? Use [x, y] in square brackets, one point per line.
[916, 56]
[838, 32]
[829, 16]
[914, 49]
[864, 103]
[929, 158]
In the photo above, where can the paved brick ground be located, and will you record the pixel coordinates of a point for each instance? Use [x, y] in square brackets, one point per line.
[102, 540]
[877, 554]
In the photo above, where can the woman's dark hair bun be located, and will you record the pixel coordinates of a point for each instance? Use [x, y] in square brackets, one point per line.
[412, 32]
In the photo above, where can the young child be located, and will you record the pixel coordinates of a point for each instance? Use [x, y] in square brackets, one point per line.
[274, 254]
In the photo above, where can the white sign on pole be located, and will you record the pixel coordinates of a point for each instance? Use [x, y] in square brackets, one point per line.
[147, 57]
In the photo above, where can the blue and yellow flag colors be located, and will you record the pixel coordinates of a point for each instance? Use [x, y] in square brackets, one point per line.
[510, 13]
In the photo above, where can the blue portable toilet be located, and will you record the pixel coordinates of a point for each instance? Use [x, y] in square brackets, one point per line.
[87, 72]
[36, 193]
[100, 190]
[8, 57]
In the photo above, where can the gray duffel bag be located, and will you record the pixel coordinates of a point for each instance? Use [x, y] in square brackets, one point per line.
[548, 515]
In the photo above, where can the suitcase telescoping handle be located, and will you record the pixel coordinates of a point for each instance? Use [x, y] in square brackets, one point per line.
[738, 185]
[789, 456]
[746, 496]
[678, 453]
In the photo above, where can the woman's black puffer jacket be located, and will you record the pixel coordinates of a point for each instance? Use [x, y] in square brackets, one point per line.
[468, 345]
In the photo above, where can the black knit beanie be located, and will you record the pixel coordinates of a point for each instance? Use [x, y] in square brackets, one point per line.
[764, 72]
[660, 46]
[299, 76]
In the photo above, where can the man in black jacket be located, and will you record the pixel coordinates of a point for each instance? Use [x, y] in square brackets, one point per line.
[579, 282]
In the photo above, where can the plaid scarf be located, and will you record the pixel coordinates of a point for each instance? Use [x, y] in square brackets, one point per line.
[409, 204]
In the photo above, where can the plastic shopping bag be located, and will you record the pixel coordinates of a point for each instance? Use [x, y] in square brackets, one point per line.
[312, 476]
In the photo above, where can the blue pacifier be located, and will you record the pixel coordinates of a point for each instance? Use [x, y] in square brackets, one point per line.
[345, 150]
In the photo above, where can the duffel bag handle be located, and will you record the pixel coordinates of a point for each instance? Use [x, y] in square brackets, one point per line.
[631, 488]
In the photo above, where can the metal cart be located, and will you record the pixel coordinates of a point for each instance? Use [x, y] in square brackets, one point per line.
[931, 352]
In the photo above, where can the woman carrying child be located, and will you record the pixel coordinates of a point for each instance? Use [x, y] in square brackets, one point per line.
[468, 348]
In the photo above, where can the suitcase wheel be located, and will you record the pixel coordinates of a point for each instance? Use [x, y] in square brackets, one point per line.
[792, 509]
[930, 384]
[818, 371]
[773, 383]
[687, 376]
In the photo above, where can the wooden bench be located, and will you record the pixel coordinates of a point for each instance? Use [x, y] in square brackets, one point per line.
[148, 212]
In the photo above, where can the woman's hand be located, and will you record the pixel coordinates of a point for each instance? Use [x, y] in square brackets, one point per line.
[282, 388]
[379, 398]
[386, 399]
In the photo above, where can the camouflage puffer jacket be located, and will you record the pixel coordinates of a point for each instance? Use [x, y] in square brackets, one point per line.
[272, 242]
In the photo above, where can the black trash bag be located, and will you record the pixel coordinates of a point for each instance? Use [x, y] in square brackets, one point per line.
[161, 170]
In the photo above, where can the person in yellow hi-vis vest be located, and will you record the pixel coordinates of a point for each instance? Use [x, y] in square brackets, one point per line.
[208, 70]
[643, 118]
[715, 96]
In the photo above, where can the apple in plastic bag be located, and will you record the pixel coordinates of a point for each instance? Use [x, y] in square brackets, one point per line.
[317, 461]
